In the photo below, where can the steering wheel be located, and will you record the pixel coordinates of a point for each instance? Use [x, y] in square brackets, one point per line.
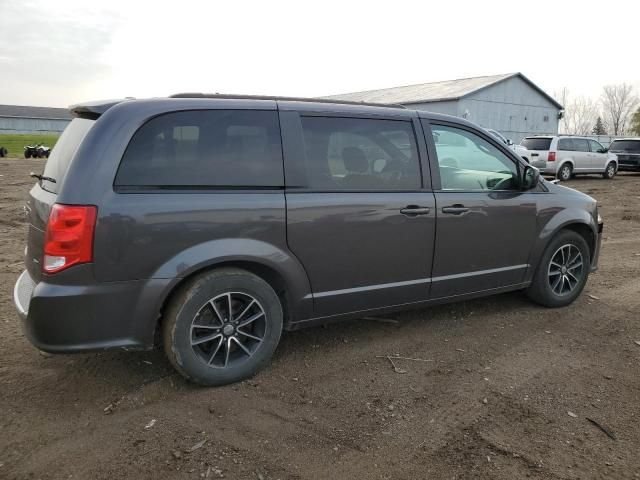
[504, 184]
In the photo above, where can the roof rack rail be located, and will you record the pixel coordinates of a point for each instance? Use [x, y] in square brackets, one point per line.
[289, 99]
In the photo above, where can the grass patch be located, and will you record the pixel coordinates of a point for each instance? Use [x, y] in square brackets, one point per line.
[15, 142]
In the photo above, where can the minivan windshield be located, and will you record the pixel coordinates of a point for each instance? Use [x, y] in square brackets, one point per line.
[61, 155]
[630, 146]
[536, 143]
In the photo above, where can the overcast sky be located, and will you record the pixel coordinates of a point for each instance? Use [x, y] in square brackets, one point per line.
[55, 53]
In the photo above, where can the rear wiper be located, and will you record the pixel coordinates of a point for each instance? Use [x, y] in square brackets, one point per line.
[42, 177]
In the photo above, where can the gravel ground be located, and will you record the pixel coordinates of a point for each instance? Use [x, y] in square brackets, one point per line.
[506, 390]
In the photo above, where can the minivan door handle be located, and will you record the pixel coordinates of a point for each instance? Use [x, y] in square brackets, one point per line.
[455, 209]
[413, 210]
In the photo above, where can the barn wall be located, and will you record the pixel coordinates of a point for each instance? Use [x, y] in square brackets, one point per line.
[448, 107]
[32, 125]
[512, 107]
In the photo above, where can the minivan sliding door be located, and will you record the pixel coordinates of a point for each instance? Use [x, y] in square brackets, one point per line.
[358, 217]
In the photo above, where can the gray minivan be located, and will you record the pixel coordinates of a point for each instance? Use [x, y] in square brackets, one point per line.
[210, 223]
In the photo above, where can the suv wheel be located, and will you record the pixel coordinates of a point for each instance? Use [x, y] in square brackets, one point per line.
[222, 327]
[562, 272]
[610, 171]
[564, 174]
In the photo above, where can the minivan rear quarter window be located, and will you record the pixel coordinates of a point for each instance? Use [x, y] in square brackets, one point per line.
[65, 149]
[537, 143]
[205, 148]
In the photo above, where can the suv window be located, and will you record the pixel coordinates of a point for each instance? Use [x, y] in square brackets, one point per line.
[360, 154]
[61, 155]
[595, 146]
[565, 144]
[580, 145]
[200, 148]
[630, 146]
[534, 143]
[469, 162]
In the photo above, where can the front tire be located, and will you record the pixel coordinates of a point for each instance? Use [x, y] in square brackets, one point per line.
[610, 171]
[565, 172]
[27, 154]
[222, 327]
[562, 272]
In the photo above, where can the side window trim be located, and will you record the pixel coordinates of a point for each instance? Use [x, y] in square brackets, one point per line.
[433, 155]
[295, 157]
[432, 158]
[424, 155]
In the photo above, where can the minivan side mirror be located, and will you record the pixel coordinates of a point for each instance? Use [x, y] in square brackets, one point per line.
[509, 142]
[603, 150]
[530, 177]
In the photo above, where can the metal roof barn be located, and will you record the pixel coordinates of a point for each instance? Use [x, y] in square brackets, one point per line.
[509, 103]
[24, 119]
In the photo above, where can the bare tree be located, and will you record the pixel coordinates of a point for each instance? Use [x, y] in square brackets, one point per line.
[580, 113]
[618, 103]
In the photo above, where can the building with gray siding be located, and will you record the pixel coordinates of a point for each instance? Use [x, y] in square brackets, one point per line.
[509, 103]
[22, 119]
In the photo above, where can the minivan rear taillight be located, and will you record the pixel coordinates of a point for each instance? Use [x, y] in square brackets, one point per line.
[551, 157]
[69, 237]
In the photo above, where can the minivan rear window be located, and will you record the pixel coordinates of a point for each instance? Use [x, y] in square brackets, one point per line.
[61, 155]
[537, 143]
[628, 146]
[205, 148]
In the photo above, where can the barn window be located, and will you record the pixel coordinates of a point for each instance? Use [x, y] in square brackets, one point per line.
[546, 118]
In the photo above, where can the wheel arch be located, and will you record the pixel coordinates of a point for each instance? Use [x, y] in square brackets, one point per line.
[574, 219]
[568, 160]
[272, 263]
[292, 306]
[585, 232]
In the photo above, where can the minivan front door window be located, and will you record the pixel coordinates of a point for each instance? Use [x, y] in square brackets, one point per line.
[468, 162]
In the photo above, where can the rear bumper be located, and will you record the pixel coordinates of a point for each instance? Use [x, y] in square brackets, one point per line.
[630, 167]
[89, 317]
[539, 164]
[630, 162]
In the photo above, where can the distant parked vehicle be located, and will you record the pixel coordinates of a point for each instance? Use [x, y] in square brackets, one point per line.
[565, 156]
[628, 152]
[36, 151]
[3, 152]
[519, 149]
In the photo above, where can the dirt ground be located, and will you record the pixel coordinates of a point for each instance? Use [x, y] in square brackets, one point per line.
[506, 391]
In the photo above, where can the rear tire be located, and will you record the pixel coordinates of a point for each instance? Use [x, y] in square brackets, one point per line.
[208, 332]
[610, 171]
[565, 172]
[562, 272]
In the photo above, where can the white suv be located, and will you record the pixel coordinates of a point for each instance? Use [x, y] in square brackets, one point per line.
[564, 156]
[519, 149]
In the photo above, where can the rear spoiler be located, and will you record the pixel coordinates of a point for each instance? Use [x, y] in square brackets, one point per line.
[92, 110]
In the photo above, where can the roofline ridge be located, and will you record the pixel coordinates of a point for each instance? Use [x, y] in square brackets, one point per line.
[503, 75]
